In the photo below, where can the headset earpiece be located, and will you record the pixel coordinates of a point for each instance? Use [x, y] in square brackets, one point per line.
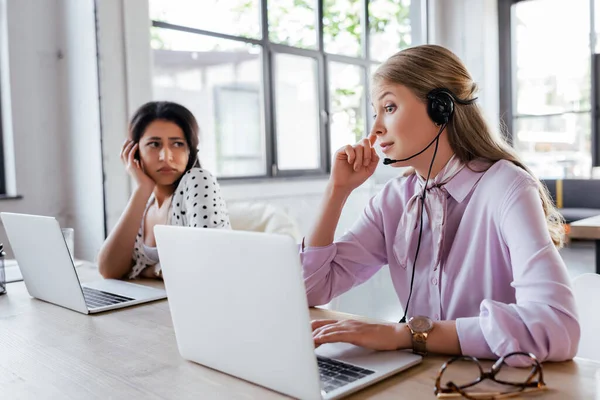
[440, 105]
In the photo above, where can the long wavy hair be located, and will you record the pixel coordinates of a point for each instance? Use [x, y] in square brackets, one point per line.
[423, 68]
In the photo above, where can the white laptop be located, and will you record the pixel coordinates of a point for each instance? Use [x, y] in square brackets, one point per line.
[49, 271]
[238, 305]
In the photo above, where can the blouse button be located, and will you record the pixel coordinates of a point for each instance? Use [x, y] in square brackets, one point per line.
[434, 281]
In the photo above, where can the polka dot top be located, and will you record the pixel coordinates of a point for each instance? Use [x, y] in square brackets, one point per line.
[197, 202]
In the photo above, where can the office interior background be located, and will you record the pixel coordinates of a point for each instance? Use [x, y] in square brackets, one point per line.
[277, 86]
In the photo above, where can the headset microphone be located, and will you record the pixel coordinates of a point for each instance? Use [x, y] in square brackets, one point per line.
[388, 161]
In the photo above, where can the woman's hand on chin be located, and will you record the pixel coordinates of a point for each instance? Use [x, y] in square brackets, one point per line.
[353, 165]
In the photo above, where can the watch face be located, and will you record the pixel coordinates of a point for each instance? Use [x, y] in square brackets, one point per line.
[420, 324]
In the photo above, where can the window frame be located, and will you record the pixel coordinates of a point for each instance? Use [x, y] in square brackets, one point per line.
[2, 165]
[508, 115]
[269, 49]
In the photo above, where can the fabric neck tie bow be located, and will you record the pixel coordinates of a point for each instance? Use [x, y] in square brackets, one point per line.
[435, 207]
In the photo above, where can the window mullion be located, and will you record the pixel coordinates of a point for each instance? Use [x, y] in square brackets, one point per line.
[269, 109]
[364, 21]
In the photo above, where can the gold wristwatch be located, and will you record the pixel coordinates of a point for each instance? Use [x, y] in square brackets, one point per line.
[420, 327]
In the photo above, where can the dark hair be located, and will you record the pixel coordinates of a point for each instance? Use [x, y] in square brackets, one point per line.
[172, 112]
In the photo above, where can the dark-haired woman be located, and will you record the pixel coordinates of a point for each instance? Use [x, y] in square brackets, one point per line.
[161, 155]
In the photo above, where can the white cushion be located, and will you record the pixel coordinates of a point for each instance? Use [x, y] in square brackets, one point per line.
[262, 217]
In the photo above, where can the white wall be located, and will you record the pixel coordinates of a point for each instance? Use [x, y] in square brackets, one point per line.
[80, 108]
[114, 110]
[470, 29]
[32, 67]
[125, 83]
[49, 78]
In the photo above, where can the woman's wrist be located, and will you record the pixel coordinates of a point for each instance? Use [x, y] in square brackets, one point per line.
[403, 336]
[143, 192]
[340, 193]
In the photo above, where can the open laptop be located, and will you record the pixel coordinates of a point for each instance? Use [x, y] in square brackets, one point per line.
[238, 305]
[49, 270]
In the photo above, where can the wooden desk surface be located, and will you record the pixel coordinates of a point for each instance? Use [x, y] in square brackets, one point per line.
[588, 228]
[47, 352]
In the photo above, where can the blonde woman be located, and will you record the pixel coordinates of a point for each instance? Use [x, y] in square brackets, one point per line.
[470, 235]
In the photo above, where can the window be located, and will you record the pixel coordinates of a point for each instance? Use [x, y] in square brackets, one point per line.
[276, 90]
[549, 86]
[2, 167]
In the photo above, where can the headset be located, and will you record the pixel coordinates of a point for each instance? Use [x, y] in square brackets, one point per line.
[440, 108]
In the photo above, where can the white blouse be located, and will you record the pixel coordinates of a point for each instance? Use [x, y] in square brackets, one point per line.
[197, 202]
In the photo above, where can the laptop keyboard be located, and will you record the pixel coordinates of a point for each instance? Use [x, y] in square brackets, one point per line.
[95, 298]
[335, 374]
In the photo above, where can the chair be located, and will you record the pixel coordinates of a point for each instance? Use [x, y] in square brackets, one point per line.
[586, 288]
[262, 217]
[575, 198]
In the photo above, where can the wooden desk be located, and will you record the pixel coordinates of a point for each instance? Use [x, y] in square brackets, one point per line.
[50, 352]
[588, 228]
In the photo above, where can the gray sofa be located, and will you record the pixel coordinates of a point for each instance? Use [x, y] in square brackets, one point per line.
[579, 198]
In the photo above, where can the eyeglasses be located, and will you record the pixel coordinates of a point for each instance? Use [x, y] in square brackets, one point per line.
[523, 383]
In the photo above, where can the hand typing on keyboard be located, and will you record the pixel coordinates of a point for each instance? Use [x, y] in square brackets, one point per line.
[372, 336]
